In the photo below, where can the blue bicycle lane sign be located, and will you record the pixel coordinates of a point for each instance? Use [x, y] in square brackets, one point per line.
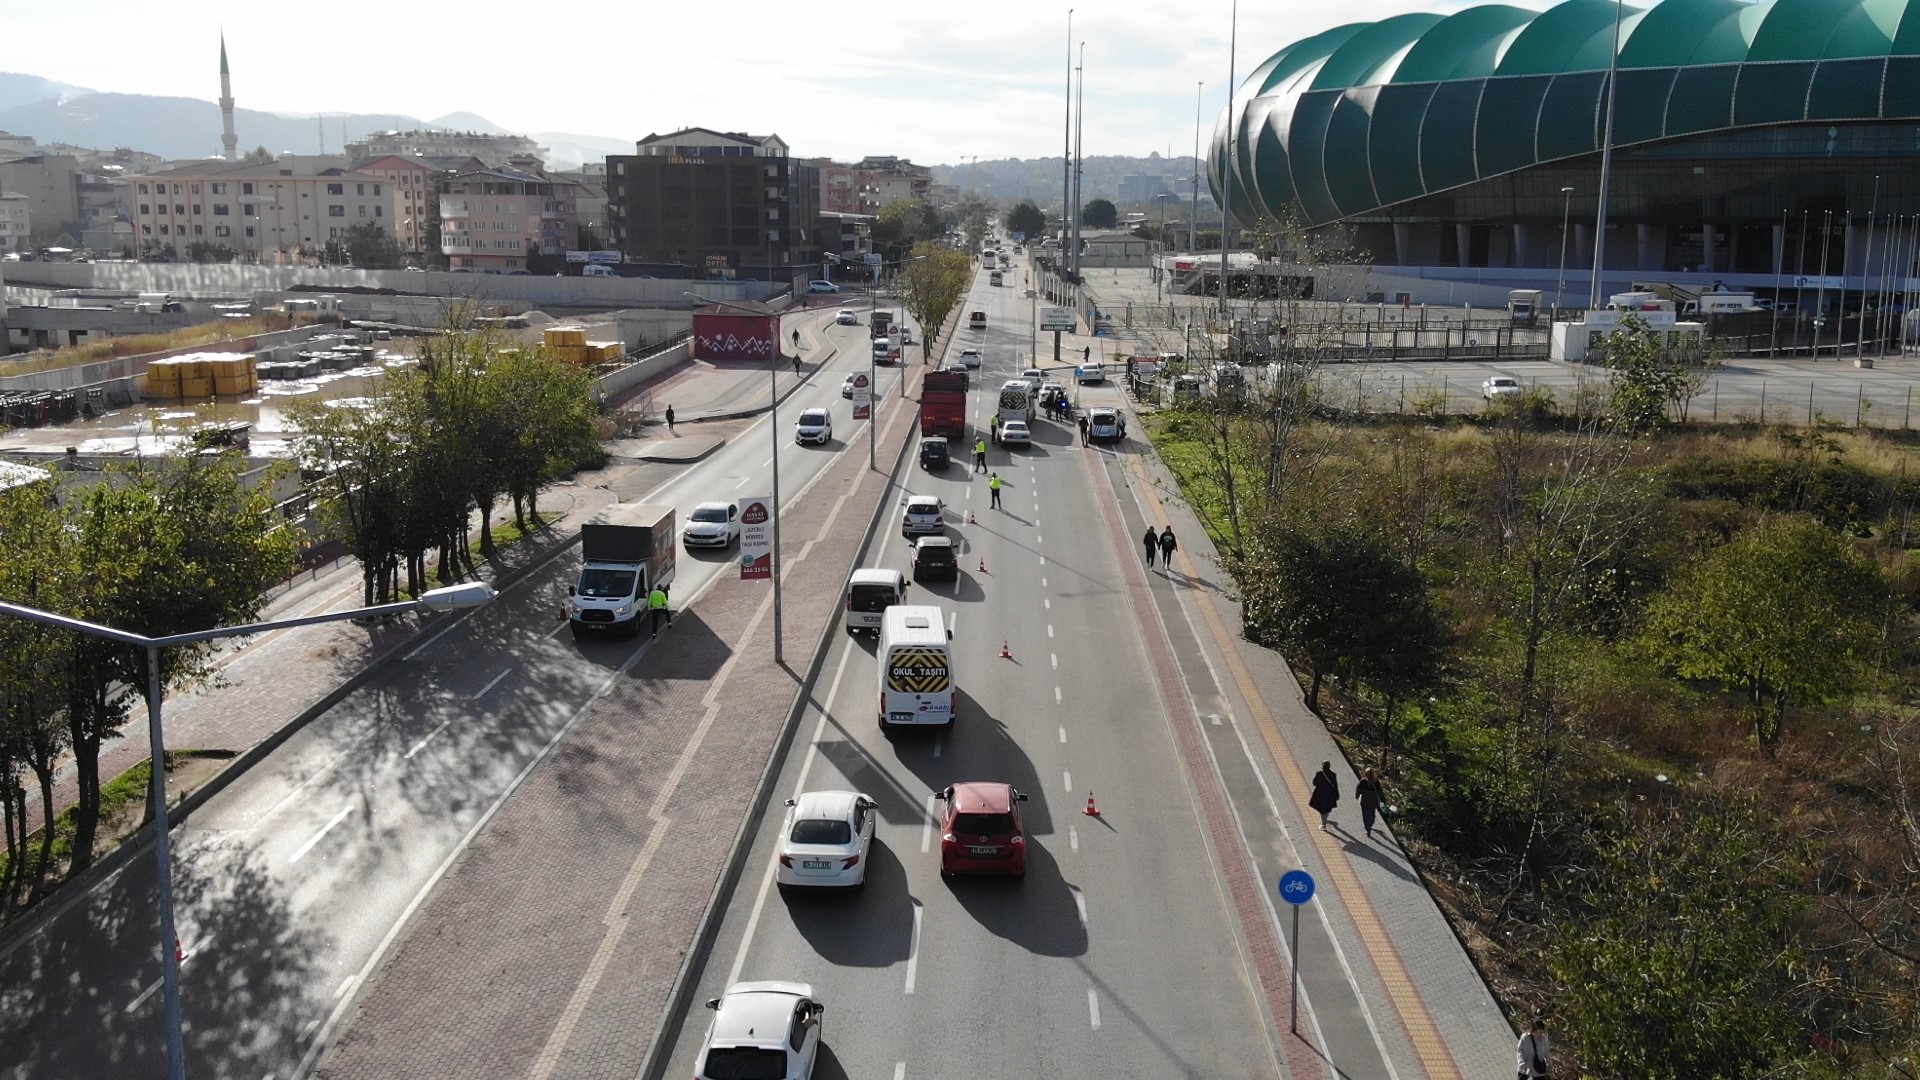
[1296, 887]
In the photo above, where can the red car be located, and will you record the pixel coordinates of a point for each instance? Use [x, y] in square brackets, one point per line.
[981, 831]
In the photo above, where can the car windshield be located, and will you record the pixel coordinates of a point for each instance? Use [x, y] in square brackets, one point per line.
[936, 553]
[814, 416]
[1504, 382]
[873, 597]
[710, 513]
[745, 1063]
[606, 583]
[821, 831]
[923, 508]
[983, 824]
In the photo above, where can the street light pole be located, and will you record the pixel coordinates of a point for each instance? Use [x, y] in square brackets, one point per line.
[1606, 163]
[451, 598]
[1566, 215]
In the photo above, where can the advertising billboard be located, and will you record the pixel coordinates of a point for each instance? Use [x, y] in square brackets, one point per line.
[862, 396]
[756, 538]
[722, 334]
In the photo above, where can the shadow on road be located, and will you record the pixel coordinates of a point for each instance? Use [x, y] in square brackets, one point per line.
[1036, 913]
[870, 928]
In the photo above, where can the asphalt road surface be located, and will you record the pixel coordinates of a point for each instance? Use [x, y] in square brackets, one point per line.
[1117, 955]
[292, 880]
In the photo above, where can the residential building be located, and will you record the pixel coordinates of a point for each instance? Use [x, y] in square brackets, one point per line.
[492, 150]
[870, 185]
[415, 188]
[12, 145]
[589, 207]
[490, 217]
[845, 240]
[105, 213]
[48, 182]
[943, 194]
[16, 221]
[1139, 187]
[275, 213]
[699, 203]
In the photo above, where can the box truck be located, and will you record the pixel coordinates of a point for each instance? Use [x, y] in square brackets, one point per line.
[628, 551]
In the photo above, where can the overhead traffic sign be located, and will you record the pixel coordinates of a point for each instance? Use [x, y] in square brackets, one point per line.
[1059, 319]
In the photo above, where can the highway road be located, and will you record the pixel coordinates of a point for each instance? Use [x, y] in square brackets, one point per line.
[1118, 955]
[294, 879]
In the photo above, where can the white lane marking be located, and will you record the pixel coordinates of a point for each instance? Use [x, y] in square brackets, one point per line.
[186, 955]
[743, 480]
[899, 1070]
[430, 642]
[766, 463]
[1043, 583]
[1214, 719]
[936, 746]
[913, 948]
[1056, 660]
[1079, 904]
[926, 826]
[346, 984]
[799, 785]
[1093, 1008]
[1049, 629]
[953, 620]
[556, 630]
[1048, 602]
[1063, 735]
[491, 684]
[307, 1032]
[317, 774]
[1037, 538]
[969, 492]
[422, 744]
[1043, 562]
[1073, 837]
[317, 837]
[1056, 701]
[1068, 778]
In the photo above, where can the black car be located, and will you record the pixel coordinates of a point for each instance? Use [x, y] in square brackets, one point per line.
[933, 558]
[934, 453]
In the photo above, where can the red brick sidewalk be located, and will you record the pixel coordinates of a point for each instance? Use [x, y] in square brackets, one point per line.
[557, 937]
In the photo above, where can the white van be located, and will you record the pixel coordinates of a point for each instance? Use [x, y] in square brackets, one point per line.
[1016, 400]
[916, 667]
[597, 270]
[870, 593]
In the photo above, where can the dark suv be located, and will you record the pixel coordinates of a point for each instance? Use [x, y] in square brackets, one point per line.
[933, 558]
[934, 453]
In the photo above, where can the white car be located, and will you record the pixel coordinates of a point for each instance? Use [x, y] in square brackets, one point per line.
[924, 514]
[711, 524]
[971, 358]
[847, 317]
[1015, 431]
[846, 386]
[814, 426]
[1500, 386]
[906, 336]
[822, 286]
[1089, 373]
[1034, 377]
[769, 1029]
[825, 839]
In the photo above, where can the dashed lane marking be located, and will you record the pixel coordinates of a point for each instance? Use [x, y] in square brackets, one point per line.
[321, 835]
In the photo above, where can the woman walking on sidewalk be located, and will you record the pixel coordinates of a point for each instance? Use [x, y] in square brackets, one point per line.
[1151, 541]
[1531, 1052]
[1368, 792]
[1326, 793]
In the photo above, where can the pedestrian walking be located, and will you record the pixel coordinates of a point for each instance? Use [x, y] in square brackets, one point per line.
[1326, 793]
[1086, 353]
[657, 604]
[796, 362]
[1368, 792]
[1083, 429]
[669, 418]
[993, 488]
[1152, 543]
[979, 455]
[796, 341]
[1167, 544]
[1531, 1053]
[994, 426]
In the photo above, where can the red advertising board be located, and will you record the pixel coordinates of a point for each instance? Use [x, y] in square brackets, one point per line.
[756, 539]
[723, 334]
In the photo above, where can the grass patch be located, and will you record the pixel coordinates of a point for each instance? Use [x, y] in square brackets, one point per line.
[138, 344]
[115, 795]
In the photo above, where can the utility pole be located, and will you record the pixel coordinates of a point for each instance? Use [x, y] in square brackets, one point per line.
[1193, 208]
[1226, 170]
[1606, 164]
[1079, 129]
[1066, 141]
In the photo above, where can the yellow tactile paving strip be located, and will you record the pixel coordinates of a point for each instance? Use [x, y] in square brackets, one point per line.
[1433, 1052]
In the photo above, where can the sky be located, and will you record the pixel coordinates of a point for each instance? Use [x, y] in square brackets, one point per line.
[935, 83]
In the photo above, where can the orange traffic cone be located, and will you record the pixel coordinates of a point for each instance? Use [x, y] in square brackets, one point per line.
[1091, 810]
[983, 564]
[179, 954]
[970, 520]
[1005, 653]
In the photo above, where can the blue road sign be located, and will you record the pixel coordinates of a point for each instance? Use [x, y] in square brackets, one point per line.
[1296, 886]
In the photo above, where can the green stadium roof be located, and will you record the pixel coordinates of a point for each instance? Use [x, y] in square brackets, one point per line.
[1367, 115]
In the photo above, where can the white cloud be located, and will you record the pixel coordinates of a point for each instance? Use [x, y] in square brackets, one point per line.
[935, 83]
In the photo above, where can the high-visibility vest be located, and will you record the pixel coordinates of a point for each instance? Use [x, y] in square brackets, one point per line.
[980, 446]
[994, 483]
[657, 600]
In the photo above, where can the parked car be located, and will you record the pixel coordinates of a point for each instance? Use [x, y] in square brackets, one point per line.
[1500, 386]
[981, 831]
[970, 357]
[825, 840]
[814, 426]
[762, 1029]
[711, 524]
[924, 514]
[846, 318]
[822, 286]
[933, 557]
[1015, 433]
[934, 452]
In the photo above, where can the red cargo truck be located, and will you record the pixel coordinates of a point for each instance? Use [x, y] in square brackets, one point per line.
[943, 405]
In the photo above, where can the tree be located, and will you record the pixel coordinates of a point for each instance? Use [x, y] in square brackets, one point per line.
[1676, 963]
[202, 252]
[934, 280]
[259, 155]
[1647, 379]
[33, 659]
[1786, 611]
[903, 225]
[372, 247]
[1027, 218]
[1099, 214]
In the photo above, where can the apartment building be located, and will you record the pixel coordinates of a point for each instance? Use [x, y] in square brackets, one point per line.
[489, 218]
[16, 222]
[593, 233]
[492, 150]
[415, 187]
[49, 183]
[273, 213]
[871, 184]
[699, 203]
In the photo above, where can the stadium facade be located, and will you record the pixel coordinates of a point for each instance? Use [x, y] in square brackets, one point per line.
[1741, 132]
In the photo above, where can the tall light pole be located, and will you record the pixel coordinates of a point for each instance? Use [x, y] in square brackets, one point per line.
[1226, 170]
[1606, 163]
[1160, 240]
[1079, 129]
[1566, 216]
[453, 597]
[1066, 150]
[1193, 209]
